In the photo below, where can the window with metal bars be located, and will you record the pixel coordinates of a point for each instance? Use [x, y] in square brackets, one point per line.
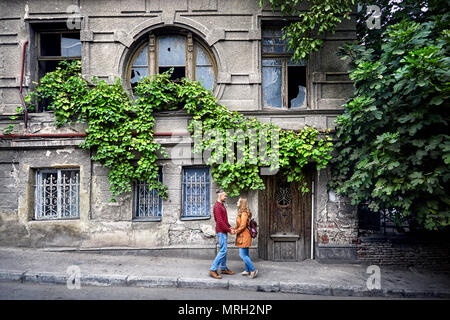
[57, 194]
[196, 193]
[387, 222]
[148, 204]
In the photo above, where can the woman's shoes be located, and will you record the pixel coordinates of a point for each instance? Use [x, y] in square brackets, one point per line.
[253, 274]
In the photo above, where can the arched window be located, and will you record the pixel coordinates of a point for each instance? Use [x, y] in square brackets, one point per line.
[188, 57]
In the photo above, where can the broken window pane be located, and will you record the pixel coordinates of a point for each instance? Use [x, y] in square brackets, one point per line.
[296, 86]
[137, 73]
[204, 71]
[171, 51]
[177, 74]
[50, 44]
[272, 81]
[70, 45]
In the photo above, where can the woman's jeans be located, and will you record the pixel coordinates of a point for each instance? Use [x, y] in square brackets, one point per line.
[243, 253]
[221, 258]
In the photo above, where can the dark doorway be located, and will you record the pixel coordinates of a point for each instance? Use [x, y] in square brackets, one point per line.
[285, 220]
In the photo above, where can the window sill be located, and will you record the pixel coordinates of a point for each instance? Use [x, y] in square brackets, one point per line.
[55, 220]
[194, 218]
[148, 219]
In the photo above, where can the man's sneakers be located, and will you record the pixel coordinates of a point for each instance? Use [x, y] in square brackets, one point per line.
[245, 273]
[227, 271]
[214, 274]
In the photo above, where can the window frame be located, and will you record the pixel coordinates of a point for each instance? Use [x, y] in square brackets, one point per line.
[208, 195]
[135, 203]
[285, 57]
[38, 192]
[153, 61]
[40, 57]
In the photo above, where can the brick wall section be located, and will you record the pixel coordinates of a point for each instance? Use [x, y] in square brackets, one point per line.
[405, 252]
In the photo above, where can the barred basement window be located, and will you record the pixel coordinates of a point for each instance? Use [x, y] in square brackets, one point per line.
[196, 195]
[57, 194]
[148, 204]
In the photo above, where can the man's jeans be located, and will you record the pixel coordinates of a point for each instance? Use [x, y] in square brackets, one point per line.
[221, 258]
[243, 253]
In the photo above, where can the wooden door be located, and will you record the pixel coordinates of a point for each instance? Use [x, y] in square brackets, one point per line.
[285, 220]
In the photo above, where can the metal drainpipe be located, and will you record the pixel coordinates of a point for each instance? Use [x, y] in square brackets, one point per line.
[76, 135]
[25, 110]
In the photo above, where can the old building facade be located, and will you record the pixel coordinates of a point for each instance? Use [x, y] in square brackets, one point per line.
[53, 195]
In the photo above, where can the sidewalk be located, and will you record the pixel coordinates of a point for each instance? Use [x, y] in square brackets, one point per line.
[127, 269]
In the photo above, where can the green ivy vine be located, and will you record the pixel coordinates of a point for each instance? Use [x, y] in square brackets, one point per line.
[120, 131]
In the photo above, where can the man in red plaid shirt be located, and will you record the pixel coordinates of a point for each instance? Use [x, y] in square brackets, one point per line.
[222, 230]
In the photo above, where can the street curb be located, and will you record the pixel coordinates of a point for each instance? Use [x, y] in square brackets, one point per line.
[152, 281]
[205, 283]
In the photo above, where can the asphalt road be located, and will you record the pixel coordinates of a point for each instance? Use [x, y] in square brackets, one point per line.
[33, 291]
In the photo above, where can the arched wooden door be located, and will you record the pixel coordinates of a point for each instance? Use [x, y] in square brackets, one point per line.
[284, 220]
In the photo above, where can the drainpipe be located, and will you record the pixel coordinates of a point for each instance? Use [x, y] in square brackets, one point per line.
[43, 135]
[25, 110]
[76, 135]
[312, 220]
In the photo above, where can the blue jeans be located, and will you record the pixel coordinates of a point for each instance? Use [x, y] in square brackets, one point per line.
[221, 258]
[243, 253]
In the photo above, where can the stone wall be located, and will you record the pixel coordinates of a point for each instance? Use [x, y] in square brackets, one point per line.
[405, 251]
[102, 223]
[336, 224]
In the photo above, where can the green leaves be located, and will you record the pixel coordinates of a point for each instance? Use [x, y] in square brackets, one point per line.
[305, 34]
[120, 132]
[393, 136]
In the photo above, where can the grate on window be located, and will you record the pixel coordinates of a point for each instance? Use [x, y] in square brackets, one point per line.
[196, 196]
[148, 202]
[57, 194]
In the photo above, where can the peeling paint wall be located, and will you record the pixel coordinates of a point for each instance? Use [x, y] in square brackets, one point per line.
[110, 32]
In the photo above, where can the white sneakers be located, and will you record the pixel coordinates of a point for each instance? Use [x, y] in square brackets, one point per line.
[253, 274]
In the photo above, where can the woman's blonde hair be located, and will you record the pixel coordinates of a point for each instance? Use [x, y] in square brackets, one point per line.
[243, 206]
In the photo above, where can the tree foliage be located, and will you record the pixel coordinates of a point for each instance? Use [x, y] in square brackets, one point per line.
[305, 33]
[393, 144]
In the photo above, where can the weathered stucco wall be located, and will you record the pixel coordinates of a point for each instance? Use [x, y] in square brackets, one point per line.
[110, 32]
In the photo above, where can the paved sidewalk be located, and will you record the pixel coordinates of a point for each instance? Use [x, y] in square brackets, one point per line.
[127, 269]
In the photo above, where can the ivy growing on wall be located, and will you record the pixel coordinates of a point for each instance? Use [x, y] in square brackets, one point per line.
[120, 131]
